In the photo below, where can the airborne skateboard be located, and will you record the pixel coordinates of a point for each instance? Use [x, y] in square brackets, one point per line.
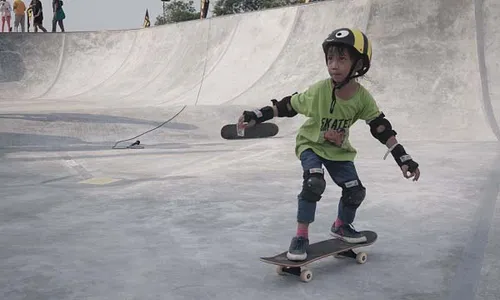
[331, 247]
[262, 130]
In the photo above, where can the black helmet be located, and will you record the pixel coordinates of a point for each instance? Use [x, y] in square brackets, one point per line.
[355, 39]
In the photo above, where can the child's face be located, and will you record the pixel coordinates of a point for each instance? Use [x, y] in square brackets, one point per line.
[339, 63]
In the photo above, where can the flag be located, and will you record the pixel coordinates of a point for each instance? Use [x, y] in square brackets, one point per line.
[146, 19]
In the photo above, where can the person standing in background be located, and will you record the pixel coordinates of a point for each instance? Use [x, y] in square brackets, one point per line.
[29, 16]
[19, 18]
[59, 15]
[38, 15]
[5, 10]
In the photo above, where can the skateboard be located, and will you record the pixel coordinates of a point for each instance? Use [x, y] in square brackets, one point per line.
[262, 130]
[316, 251]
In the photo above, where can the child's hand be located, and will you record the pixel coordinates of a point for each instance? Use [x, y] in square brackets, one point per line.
[335, 136]
[246, 120]
[409, 174]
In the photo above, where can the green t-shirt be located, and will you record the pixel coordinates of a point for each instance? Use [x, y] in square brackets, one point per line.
[316, 103]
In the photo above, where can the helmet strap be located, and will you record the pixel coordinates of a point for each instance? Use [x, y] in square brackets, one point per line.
[338, 86]
[348, 78]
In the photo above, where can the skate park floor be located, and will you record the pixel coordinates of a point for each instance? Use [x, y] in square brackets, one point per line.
[189, 219]
[188, 215]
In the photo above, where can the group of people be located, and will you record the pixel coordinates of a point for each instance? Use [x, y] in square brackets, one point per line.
[33, 14]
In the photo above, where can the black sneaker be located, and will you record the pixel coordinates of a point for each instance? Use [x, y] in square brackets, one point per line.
[347, 233]
[298, 247]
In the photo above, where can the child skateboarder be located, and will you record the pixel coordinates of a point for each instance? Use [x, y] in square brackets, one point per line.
[332, 106]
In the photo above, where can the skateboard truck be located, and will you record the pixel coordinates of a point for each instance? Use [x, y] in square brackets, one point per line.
[304, 274]
[359, 257]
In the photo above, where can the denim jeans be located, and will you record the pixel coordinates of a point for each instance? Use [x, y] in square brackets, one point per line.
[340, 172]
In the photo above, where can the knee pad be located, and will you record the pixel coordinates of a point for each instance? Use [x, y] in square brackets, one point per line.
[314, 185]
[353, 193]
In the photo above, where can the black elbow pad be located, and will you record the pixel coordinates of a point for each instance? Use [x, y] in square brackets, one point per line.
[284, 107]
[386, 133]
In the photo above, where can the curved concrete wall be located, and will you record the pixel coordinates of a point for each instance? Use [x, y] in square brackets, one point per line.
[434, 63]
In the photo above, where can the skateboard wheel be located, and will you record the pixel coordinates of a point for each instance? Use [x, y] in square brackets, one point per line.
[279, 270]
[306, 275]
[361, 257]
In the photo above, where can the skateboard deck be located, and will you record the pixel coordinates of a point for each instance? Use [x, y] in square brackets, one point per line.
[316, 251]
[262, 130]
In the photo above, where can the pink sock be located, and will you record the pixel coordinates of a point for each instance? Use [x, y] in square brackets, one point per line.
[338, 222]
[303, 230]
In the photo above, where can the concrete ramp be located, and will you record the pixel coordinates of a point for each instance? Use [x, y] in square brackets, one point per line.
[426, 70]
[487, 14]
[430, 57]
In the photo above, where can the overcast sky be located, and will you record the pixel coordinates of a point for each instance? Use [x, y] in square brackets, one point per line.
[85, 15]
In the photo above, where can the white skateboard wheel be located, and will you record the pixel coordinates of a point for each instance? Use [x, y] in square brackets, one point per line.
[306, 275]
[361, 257]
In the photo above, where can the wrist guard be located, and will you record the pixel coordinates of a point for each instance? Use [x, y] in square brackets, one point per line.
[259, 115]
[402, 158]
